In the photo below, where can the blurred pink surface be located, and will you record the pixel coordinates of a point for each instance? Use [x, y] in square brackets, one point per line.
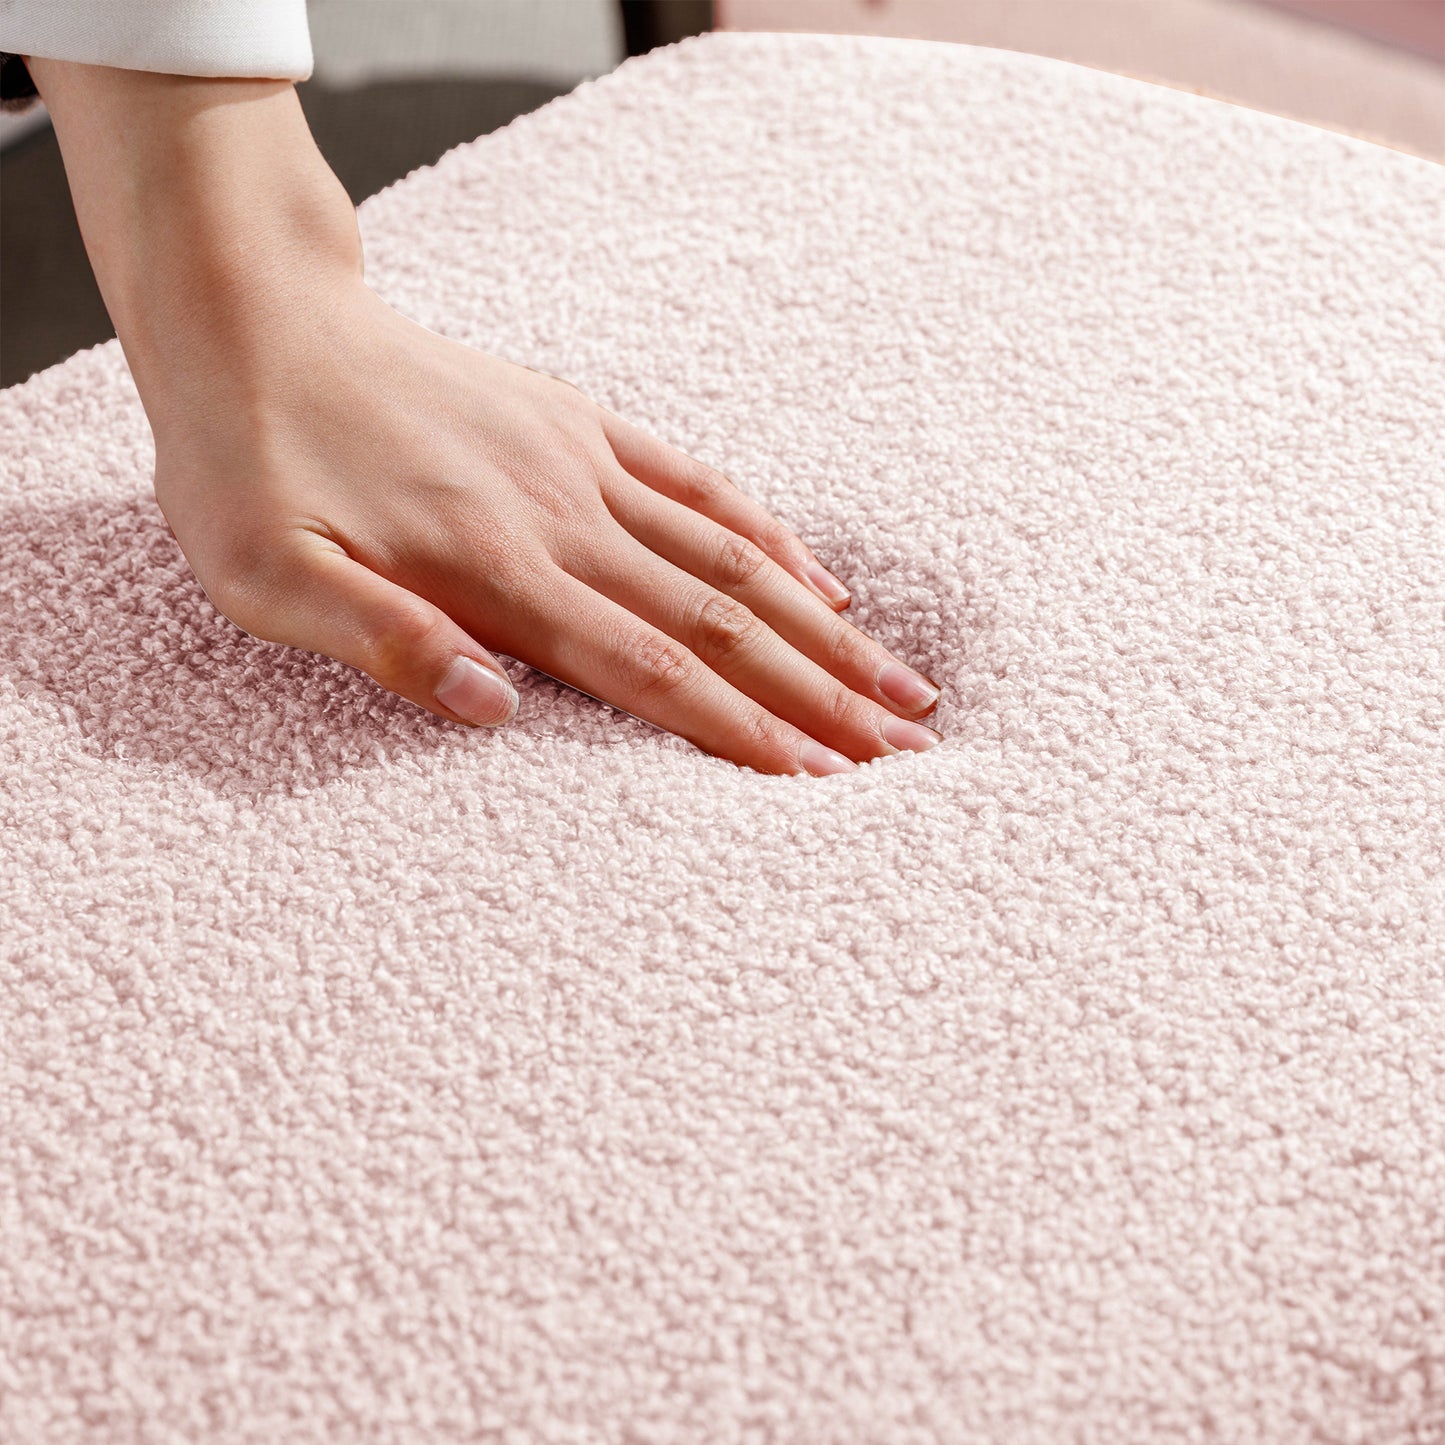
[1271, 57]
[1418, 25]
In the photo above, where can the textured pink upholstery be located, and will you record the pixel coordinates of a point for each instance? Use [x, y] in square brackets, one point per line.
[364, 1077]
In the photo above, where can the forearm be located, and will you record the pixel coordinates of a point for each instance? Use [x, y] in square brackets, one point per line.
[208, 214]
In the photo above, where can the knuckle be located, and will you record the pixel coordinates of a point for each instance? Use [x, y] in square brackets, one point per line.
[395, 636]
[774, 743]
[847, 712]
[738, 561]
[846, 651]
[552, 490]
[767, 734]
[724, 626]
[701, 484]
[774, 537]
[658, 667]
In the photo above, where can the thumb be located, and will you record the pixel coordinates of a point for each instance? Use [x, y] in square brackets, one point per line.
[331, 603]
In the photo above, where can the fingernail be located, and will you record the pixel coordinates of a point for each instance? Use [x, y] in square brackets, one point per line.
[826, 582]
[911, 736]
[477, 693]
[906, 687]
[821, 761]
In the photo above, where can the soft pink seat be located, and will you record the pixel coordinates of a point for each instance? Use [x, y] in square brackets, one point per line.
[364, 1077]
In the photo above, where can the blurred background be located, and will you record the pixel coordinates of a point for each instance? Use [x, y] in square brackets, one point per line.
[399, 82]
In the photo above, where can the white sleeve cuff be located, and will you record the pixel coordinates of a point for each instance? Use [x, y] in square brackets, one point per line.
[254, 38]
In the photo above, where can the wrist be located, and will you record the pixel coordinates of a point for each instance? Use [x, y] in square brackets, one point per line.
[210, 312]
[211, 219]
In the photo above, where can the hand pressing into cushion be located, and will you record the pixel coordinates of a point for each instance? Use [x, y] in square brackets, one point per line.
[343, 480]
[400, 501]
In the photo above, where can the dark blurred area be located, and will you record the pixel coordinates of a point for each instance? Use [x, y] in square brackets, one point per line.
[372, 133]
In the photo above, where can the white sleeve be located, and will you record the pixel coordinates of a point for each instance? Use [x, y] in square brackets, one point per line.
[259, 38]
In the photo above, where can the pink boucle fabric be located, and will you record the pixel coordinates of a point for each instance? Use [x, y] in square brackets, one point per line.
[369, 1078]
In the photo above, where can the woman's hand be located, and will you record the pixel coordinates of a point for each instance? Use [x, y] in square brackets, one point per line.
[343, 480]
[398, 501]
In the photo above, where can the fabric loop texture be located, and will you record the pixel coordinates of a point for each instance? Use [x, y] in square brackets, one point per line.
[364, 1076]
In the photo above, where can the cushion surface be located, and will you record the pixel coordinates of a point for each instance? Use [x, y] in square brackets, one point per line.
[367, 1077]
